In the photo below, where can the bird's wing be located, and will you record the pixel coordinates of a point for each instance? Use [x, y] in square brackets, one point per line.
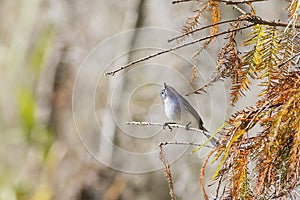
[187, 106]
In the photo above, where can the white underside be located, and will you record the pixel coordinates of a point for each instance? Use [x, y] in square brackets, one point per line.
[169, 109]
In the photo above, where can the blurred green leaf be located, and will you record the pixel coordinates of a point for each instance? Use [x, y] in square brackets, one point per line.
[42, 49]
[26, 104]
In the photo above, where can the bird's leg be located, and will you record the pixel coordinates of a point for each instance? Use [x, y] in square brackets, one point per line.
[187, 127]
[167, 124]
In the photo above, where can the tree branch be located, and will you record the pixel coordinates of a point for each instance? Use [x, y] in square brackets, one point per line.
[246, 17]
[250, 18]
[181, 1]
[202, 28]
[289, 59]
[112, 73]
[175, 125]
[258, 20]
[228, 2]
[184, 143]
[239, 9]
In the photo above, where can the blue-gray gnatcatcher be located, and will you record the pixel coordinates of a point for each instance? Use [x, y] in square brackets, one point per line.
[178, 109]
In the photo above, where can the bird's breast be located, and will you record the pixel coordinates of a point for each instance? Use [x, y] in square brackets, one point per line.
[172, 109]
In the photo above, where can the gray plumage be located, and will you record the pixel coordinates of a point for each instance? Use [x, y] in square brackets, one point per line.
[178, 109]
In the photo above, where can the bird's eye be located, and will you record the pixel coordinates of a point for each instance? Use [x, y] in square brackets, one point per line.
[163, 93]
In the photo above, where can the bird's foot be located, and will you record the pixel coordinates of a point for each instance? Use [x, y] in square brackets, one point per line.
[188, 126]
[167, 124]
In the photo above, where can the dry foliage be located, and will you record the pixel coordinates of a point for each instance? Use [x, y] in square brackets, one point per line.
[167, 171]
[267, 165]
[275, 150]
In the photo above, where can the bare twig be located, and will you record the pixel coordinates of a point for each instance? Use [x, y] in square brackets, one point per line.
[184, 143]
[211, 138]
[203, 88]
[112, 73]
[289, 59]
[239, 9]
[173, 125]
[179, 143]
[244, 17]
[258, 20]
[228, 2]
[202, 28]
[218, 187]
[167, 172]
[167, 168]
[181, 1]
[252, 19]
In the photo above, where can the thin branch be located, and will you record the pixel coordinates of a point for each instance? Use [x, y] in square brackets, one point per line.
[258, 20]
[253, 19]
[182, 1]
[179, 143]
[289, 59]
[112, 73]
[228, 2]
[211, 138]
[173, 125]
[204, 27]
[203, 88]
[249, 18]
[247, 144]
[263, 107]
[219, 187]
[239, 9]
[184, 143]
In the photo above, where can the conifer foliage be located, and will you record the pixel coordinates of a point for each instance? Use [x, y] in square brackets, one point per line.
[267, 165]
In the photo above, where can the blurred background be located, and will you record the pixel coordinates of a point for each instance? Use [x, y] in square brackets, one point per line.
[63, 123]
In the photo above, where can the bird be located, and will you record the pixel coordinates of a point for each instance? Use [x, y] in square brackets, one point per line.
[178, 109]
